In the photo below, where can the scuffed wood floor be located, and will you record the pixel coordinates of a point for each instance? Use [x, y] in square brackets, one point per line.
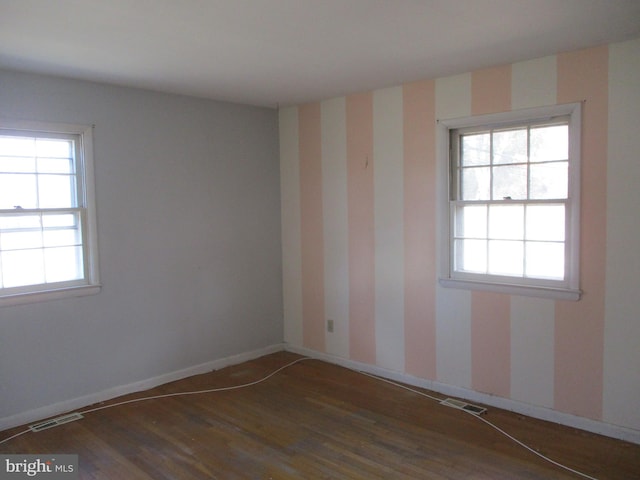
[315, 420]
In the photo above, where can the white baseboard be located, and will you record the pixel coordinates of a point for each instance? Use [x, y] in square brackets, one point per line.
[80, 402]
[542, 413]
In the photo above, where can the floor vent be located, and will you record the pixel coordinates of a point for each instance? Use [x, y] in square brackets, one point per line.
[460, 405]
[54, 422]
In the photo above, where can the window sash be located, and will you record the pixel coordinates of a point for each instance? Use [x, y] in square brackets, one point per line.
[457, 271]
[74, 174]
[456, 166]
[43, 234]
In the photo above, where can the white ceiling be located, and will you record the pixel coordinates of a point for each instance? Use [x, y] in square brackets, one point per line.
[270, 52]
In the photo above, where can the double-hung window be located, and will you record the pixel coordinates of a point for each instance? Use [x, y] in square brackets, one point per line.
[514, 202]
[48, 246]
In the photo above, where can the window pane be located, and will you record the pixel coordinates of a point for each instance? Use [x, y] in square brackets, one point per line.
[545, 222]
[510, 146]
[471, 221]
[22, 267]
[549, 143]
[60, 220]
[10, 222]
[17, 164]
[510, 182]
[63, 264]
[549, 180]
[56, 191]
[20, 240]
[475, 150]
[17, 146]
[506, 258]
[17, 190]
[506, 222]
[545, 260]
[62, 237]
[475, 183]
[470, 256]
[55, 165]
[54, 148]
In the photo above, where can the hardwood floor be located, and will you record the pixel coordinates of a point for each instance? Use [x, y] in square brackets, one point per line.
[315, 420]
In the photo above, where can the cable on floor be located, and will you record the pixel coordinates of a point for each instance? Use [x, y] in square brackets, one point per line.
[176, 394]
[256, 382]
[511, 437]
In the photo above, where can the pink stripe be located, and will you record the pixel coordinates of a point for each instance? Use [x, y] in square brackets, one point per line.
[311, 228]
[579, 340]
[490, 312]
[419, 229]
[491, 90]
[362, 340]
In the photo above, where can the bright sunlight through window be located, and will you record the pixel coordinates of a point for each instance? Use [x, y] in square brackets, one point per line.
[47, 230]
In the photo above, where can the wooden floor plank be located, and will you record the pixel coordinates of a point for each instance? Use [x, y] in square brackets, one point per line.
[315, 420]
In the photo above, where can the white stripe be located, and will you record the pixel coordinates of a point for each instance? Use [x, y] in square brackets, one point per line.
[290, 209]
[622, 325]
[532, 350]
[388, 187]
[533, 84]
[336, 233]
[453, 307]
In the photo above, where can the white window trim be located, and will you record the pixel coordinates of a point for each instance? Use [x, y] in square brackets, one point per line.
[571, 289]
[91, 286]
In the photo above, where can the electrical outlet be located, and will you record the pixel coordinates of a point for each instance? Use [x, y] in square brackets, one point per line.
[330, 326]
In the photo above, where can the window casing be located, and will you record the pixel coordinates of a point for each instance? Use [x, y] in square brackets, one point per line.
[513, 202]
[48, 244]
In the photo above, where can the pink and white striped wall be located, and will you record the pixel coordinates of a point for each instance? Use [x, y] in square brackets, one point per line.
[362, 197]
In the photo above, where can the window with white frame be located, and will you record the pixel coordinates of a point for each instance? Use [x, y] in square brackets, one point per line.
[514, 202]
[48, 246]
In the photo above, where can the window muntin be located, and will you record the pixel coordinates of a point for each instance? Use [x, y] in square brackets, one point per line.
[47, 226]
[513, 201]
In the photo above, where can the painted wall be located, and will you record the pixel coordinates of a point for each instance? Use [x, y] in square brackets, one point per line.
[188, 211]
[362, 196]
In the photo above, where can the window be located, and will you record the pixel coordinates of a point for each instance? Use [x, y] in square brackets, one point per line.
[47, 217]
[514, 202]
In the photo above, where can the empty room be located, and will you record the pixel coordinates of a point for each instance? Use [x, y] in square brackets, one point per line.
[319, 239]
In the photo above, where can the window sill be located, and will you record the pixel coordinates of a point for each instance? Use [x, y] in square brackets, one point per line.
[35, 297]
[525, 290]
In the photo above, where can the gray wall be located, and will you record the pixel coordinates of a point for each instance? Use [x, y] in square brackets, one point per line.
[188, 209]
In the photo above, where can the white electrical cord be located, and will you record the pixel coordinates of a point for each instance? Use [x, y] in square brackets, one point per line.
[511, 437]
[584, 475]
[210, 390]
[15, 436]
[176, 394]
[244, 385]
